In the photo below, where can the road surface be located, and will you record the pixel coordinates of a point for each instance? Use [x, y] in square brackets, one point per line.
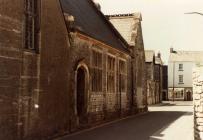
[167, 121]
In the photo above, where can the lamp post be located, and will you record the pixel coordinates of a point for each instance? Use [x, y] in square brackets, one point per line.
[173, 90]
[173, 79]
[198, 13]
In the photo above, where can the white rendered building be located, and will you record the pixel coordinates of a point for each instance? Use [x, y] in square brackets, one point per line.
[180, 69]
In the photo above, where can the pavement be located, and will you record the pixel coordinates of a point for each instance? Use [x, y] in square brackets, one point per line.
[166, 121]
[179, 129]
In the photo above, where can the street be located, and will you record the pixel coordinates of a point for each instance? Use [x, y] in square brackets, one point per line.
[166, 121]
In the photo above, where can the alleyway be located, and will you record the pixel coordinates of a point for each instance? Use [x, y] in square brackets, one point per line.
[168, 121]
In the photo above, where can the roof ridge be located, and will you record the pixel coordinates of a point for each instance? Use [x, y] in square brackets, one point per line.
[189, 51]
[123, 41]
[149, 51]
[124, 14]
[186, 56]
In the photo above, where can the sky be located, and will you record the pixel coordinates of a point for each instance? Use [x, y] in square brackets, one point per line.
[164, 23]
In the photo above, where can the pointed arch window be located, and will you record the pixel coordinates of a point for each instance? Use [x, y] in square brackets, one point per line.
[111, 63]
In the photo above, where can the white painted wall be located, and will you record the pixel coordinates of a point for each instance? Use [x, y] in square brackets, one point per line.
[187, 74]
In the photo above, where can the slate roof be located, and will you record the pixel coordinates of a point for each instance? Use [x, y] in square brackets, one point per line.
[127, 25]
[90, 21]
[149, 55]
[186, 56]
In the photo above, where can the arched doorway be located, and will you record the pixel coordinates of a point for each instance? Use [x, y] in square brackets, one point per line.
[81, 105]
[81, 110]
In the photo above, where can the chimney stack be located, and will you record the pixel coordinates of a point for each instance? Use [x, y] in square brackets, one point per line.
[171, 50]
[97, 4]
[159, 55]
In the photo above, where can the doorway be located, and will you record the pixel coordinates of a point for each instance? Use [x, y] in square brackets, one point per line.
[81, 95]
[189, 95]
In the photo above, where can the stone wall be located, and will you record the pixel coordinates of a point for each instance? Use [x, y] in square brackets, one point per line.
[141, 91]
[198, 104]
[130, 28]
[103, 105]
[30, 79]
[38, 87]
[10, 67]
[141, 77]
[154, 83]
[53, 96]
[151, 86]
[150, 92]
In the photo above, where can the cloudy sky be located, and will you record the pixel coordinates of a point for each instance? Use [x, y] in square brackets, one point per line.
[164, 23]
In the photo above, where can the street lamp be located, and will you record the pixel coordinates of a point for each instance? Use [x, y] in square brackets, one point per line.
[198, 13]
[173, 90]
[173, 79]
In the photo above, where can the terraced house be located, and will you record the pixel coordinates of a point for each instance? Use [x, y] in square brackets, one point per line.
[180, 70]
[154, 77]
[63, 67]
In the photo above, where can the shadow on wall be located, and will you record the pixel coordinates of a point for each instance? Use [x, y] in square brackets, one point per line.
[136, 128]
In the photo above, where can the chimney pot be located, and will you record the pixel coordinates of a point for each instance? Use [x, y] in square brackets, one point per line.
[171, 50]
[159, 55]
[97, 4]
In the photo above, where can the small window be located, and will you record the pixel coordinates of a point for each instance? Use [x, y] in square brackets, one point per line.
[180, 67]
[181, 79]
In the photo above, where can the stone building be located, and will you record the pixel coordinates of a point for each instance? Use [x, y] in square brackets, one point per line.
[129, 26]
[165, 82]
[154, 77]
[150, 62]
[158, 77]
[62, 70]
[33, 70]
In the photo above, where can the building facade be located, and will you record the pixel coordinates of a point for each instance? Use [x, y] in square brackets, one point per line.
[165, 82]
[129, 26]
[158, 77]
[62, 70]
[180, 67]
[154, 77]
[150, 63]
[33, 72]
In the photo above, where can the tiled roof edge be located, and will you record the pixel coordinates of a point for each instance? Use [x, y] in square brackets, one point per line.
[126, 15]
[120, 15]
[123, 41]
